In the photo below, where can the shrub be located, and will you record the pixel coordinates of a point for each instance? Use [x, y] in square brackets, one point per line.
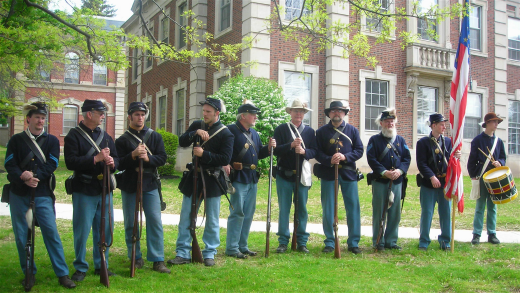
[171, 141]
[266, 95]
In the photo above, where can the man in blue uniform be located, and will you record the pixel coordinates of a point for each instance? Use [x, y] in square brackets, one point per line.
[142, 143]
[215, 151]
[247, 150]
[293, 138]
[389, 157]
[476, 162]
[433, 152]
[19, 164]
[87, 150]
[339, 144]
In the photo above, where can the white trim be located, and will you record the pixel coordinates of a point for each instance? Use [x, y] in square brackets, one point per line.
[161, 17]
[223, 72]
[181, 85]
[178, 3]
[145, 61]
[163, 92]
[378, 75]
[314, 71]
[374, 33]
[483, 52]
[443, 27]
[218, 32]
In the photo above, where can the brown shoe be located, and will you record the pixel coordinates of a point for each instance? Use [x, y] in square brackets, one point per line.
[139, 263]
[159, 266]
[66, 282]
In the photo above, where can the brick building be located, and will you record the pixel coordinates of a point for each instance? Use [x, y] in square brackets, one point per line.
[416, 80]
[71, 83]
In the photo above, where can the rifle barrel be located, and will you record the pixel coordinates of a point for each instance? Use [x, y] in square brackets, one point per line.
[294, 243]
[138, 204]
[196, 253]
[268, 223]
[103, 274]
[29, 246]
[337, 250]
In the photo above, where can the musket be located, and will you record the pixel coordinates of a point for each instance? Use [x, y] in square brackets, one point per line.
[337, 251]
[103, 245]
[296, 187]
[196, 254]
[29, 246]
[382, 222]
[138, 220]
[268, 224]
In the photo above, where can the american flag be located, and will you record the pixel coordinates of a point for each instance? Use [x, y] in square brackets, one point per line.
[458, 99]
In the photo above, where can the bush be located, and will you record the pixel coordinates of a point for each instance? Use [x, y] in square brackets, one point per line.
[171, 141]
[266, 95]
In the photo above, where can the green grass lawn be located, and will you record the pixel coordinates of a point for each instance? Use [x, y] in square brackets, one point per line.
[483, 268]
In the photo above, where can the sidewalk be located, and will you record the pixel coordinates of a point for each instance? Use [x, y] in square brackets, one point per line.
[64, 211]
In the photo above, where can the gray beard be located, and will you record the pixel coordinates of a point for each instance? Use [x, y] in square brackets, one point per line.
[389, 132]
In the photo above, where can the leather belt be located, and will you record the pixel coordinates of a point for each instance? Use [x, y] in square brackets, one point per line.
[441, 175]
[249, 166]
[283, 169]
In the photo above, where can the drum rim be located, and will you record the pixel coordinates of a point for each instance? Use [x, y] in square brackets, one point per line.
[504, 176]
[506, 200]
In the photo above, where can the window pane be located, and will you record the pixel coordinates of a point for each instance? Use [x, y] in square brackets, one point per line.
[513, 33]
[422, 25]
[426, 105]
[298, 85]
[293, 9]
[135, 64]
[180, 112]
[148, 119]
[377, 90]
[165, 29]
[100, 74]
[475, 27]
[182, 22]
[472, 125]
[225, 14]
[373, 21]
[71, 68]
[514, 128]
[162, 109]
[70, 117]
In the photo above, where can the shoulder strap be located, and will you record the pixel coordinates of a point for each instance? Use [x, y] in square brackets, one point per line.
[35, 149]
[297, 132]
[389, 145]
[339, 131]
[251, 142]
[147, 135]
[222, 127]
[95, 145]
[487, 160]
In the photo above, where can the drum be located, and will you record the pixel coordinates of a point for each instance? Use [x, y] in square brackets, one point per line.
[500, 185]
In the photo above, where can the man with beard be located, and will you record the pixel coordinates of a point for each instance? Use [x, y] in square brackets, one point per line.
[142, 143]
[339, 134]
[285, 153]
[389, 157]
[476, 161]
[20, 160]
[88, 163]
[247, 150]
[433, 152]
[214, 152]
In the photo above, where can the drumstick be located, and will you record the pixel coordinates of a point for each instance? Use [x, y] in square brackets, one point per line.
[487, 156]
[490, 153]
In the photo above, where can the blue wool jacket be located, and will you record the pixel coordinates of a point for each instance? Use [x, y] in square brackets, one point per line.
[246, 176]
[285, 155]
[352, 151]
[476, 159]
[375, 148]
[429, 162]
[17, 150]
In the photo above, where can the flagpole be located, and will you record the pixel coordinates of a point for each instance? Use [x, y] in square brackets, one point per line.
[454, 206]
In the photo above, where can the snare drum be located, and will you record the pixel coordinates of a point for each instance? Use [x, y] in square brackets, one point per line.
[500, 185]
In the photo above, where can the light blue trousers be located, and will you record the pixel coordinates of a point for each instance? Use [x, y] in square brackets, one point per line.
[491, 218]
[285, 190]
[154, 229]
[241, 217]
[47, 220]
[211, 234]
[86, 215]
[391, 233]
[428, 198]
[349, 190]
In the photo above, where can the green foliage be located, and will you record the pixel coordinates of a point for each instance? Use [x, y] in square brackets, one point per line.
[99, 7]
[171, 142]
[265, 94]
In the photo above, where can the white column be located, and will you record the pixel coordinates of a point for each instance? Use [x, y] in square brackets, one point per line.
[254, 16]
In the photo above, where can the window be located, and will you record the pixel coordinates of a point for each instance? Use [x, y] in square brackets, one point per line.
[423, 25]
[70, 117]
[103, 125]
[44, 74]
[472, 126]
[225, 14]
[180, 112]
[293, 9]
[513, 141]
[373, 22]
[162, 109]
[475, 28]
[427, 98]
[149, 55]
[100, 74]
[513, 34]
[181, 39]
[221, 81]
[71, 68]
[135, 64]
[298, 85]
[376, 101]
[148, 121]
[165, 30]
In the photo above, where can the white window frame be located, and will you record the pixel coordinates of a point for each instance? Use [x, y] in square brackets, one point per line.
[148, 99]
[136, 63]
[181, 85]
[380, 75]
[69, 106]
[218, 17]
[512, 98]
[163, 92]
[94, 73]
[145, 61]
[509, 60]
[178, 19]
[223, 72]
[163, 17]
[484, 93]
[483, 30]
[375, 33]
[67, 64]
[282, 14]
[443, 28]
[438, 105]
[314, 71]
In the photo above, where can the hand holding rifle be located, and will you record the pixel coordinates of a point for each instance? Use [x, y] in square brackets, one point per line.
[337, 250]
[138, 218]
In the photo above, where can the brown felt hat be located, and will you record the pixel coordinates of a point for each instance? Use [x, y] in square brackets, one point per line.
[490, 117]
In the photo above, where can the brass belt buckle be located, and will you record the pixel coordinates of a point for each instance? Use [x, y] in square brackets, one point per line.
[100, 176]
[253, 167]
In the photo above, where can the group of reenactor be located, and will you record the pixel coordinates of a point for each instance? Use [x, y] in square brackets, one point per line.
[227, 159]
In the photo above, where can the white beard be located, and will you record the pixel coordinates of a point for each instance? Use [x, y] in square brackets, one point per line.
[389, 132]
